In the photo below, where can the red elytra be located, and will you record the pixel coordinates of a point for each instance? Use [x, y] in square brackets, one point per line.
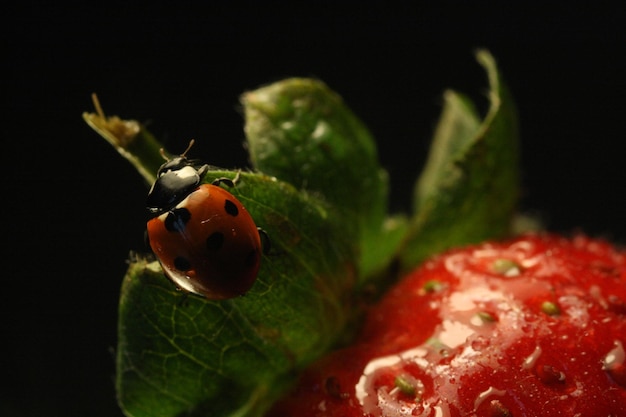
[208, 244]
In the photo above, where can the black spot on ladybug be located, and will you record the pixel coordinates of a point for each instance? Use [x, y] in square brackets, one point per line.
[251, 259]
[231, 208]
[215, 241]
[177, 219]
[182, 263]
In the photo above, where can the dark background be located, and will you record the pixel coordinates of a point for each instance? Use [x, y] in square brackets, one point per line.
[74, 208]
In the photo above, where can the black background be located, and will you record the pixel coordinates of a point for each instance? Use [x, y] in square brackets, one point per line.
[74, 208]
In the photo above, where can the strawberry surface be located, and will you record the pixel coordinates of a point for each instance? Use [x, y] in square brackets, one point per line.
[534, 326]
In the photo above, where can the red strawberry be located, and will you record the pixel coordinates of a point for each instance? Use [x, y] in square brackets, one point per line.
[535, 326]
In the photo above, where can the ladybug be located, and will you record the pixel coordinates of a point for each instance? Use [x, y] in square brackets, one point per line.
[204, 238]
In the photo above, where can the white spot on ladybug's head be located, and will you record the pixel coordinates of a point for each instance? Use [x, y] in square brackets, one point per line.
[186, 172]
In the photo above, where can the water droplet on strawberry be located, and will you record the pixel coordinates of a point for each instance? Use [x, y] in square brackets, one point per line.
[549, 375]
[489, 392]
[480, 343]
[613, 363]
[526, 327]
[531, 360]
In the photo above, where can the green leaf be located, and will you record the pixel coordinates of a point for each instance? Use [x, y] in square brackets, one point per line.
[182, 354]
[301, 131]
[468, 190]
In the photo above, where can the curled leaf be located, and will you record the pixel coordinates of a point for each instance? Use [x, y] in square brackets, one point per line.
[468, 190]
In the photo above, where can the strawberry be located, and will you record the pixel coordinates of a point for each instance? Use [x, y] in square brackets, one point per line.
[534, 326]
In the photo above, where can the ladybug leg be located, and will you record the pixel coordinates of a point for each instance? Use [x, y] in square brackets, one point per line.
[219, 181]
[265, 241]
[185, 297]
[227, 181]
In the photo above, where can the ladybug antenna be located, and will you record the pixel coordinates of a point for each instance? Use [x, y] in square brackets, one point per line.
[191, 142]
[182, 155]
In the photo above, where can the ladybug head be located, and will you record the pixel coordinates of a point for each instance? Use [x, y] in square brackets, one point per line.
[179, 162]
[176, 179]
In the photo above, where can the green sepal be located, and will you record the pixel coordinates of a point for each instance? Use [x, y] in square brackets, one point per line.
[302, 132]
[468, 190]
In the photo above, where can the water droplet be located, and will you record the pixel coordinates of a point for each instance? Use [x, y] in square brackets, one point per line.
[526, 328]
[578, 392]
[530, 318]
[549, 374]
[531, 360]
[480, 343]
[487, 393]
[615, 356]
[613, 363]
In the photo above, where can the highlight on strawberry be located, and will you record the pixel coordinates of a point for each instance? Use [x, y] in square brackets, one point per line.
[533, 326]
